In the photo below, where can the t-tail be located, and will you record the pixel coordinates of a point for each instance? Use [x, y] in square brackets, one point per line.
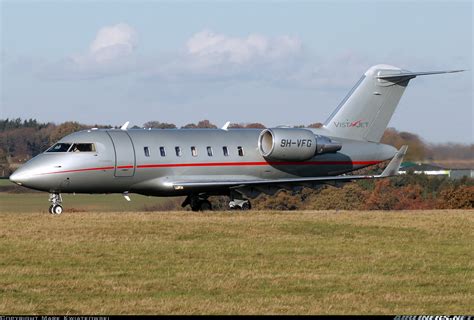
[367, 109]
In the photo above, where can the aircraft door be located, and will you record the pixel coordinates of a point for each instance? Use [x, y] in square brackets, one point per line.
[124, 153]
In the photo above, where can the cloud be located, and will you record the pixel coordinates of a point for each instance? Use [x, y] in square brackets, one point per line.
[210, 56]
[111, 53]
[113, 42]
[221, 48]
[207, 57]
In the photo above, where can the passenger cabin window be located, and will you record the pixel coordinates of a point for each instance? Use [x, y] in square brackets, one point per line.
[226, 152]
[194, 151]
[178, 151]
[209, 151]
[59, 147]
[162, 151]
[82, 147]
[147, 151]
[240, 150]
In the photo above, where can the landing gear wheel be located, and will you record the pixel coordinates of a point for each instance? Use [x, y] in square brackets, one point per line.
[246, 205]
[197, 203]
[57, 209]
[205, 205]
[56, 200]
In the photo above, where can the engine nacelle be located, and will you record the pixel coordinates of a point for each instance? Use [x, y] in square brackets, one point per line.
[292, 144]
[287, 144]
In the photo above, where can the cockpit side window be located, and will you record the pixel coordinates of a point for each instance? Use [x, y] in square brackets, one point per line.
[59, 147]
[82, 147]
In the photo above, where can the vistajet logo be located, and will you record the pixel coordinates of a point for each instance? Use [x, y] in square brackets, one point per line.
[351, 124]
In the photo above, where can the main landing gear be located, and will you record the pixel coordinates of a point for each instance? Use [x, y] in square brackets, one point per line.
[197, 203]
[239, 204]
[56, 208]
[200, 203]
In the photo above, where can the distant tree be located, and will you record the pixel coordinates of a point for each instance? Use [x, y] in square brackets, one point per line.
[417, 149]
[9, 124]
[449, 151]
[255, 125]
[189, 126]
[205, 124]
[315, 125]
[159, 125]
[64, 129]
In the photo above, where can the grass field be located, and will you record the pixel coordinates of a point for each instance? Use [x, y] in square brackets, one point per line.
[5, 182]
[412, 262]
[38, 202]
[29, 201]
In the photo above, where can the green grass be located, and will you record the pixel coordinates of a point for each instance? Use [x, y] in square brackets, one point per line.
[38, 202]
[412, 262]
[5, 182]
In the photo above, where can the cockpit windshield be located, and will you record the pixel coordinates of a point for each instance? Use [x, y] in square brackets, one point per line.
[72, 147]
[59, 147]
[82, 147]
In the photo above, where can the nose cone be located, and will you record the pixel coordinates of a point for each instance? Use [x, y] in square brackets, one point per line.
[19, 177]
[31, 174]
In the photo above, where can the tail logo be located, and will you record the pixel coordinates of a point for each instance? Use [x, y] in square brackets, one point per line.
[351, 124]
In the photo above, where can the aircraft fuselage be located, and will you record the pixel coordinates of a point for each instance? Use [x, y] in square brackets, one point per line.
[143, 161]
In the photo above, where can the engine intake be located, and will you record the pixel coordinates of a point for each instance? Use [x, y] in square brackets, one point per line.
[290, 144]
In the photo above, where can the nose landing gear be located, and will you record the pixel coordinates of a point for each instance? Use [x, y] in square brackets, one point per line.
[56, 208]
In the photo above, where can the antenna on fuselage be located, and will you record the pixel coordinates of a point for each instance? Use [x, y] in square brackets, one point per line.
[225, 126]
[124, 126]
[126, 196]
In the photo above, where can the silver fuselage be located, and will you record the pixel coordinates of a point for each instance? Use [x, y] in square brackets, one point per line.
[120, 164]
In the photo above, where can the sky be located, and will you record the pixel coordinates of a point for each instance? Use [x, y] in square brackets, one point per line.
[274, 62]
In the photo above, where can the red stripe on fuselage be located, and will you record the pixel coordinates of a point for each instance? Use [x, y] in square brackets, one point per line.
[263, 163]
[222, 164]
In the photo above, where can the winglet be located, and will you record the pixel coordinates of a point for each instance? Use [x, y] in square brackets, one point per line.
[394, 164]
[124, 126]
[225, 126]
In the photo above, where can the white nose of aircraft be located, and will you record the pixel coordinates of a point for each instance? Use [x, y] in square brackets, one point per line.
[20, 177]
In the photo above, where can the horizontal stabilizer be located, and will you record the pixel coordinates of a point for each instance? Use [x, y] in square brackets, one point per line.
[411, 75]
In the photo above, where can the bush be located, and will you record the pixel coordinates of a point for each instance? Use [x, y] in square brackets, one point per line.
[460, 197]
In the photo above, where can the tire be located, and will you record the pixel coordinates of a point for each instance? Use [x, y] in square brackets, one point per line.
[246, 206]
[57, 209]
[51, 209]
[205, 205]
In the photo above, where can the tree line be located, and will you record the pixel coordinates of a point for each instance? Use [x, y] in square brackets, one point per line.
[20, 140]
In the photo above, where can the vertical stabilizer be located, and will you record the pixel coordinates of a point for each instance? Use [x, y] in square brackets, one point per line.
[367, 109]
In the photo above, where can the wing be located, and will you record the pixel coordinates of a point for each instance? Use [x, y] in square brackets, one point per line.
[390, 170]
